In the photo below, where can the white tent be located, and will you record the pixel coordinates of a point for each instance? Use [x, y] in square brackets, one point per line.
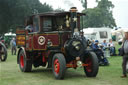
[119, 33]
[10, 34]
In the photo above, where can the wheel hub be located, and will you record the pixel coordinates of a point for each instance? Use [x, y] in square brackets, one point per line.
[22, 61]
[56, 66]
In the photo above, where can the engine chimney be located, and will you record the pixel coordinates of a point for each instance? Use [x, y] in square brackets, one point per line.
[73, 12]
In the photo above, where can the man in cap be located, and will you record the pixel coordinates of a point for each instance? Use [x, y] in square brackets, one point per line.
[97, 50]
[125, 55]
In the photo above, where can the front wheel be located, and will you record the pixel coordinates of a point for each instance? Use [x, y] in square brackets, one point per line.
[92, 68]
[59, 65]
[24, 64]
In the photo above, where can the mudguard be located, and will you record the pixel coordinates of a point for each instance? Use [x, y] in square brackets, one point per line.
[21, 48]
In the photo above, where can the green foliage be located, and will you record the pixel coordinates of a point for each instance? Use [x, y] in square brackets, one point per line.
[100, 16]
[14, 12]
[84, 3]
[59, 10]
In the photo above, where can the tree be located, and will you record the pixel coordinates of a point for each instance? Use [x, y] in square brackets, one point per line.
[14, 12]
[4, 15]
[92, 18]
[84, 3]
[59, 10]
[100, 16]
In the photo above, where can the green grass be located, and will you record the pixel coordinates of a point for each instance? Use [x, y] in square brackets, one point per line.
[10, 74]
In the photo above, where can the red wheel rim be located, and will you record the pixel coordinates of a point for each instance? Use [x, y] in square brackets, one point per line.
[89, 67]
[22, 61]
[56, 66]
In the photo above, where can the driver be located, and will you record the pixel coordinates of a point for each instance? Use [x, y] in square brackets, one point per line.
[29, 24]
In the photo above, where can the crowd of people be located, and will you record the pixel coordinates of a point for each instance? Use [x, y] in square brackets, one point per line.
[104, 46]
[100, 49]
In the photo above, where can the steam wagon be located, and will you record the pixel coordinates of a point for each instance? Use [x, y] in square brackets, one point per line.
[56, 42]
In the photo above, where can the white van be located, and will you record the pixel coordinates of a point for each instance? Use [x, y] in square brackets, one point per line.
[99, 34]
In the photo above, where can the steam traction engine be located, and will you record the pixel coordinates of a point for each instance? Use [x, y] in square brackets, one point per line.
[56, 43]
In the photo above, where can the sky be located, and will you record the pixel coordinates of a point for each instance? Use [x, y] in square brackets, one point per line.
[120, 12]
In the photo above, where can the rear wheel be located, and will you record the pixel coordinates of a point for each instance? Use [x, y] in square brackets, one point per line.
[24, 64]
[59, 66]
[92, 69]
[3, 52]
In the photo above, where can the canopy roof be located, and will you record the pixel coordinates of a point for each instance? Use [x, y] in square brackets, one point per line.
[10, 34]
[57, 14]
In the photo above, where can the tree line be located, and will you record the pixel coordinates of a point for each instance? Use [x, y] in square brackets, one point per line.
[14, 12]
[99, 16]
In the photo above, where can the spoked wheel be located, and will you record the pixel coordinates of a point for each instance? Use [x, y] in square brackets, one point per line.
[59, 66]
[91, 69]
[24, 64]
[3, 52]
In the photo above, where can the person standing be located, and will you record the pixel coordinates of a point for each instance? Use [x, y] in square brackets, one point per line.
[13, 46]
[125, 55]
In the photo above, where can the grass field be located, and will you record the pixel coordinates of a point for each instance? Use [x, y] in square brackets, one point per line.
[10, 74]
